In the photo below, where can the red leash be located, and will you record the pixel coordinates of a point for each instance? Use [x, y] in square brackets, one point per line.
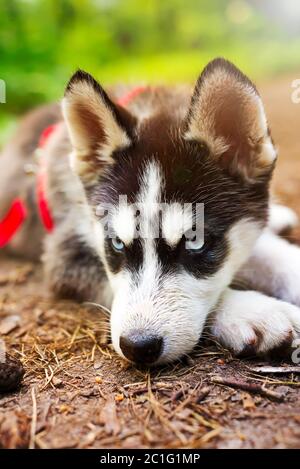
[17, 213]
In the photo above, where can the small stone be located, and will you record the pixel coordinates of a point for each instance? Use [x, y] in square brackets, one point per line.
[57, 382]
[236, 397]
[283, 390]
[97, 365]
[11, 374]
[98, 380]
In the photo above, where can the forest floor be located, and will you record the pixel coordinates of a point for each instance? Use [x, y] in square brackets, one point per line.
[77, 393]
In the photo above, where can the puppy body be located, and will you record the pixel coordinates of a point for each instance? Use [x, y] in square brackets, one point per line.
[169, 146]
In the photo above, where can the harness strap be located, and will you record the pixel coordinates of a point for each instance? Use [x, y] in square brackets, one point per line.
[125, 100]
[12, 221]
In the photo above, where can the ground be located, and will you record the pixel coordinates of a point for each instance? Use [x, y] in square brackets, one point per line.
[78, 394]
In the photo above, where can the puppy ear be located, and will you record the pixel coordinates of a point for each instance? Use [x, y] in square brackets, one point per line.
[97, 126]
[227, 114]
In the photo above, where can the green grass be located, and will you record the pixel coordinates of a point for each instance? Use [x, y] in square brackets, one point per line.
[258, 62]
[185, 66]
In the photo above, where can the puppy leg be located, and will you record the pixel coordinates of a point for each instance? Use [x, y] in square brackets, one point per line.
[72, 266]
[282, 219]
[248, 321]
[273, 268]
[73, 269]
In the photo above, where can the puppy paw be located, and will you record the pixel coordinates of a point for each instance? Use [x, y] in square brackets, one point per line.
[282, 219]
[273, 268]
[252, 323]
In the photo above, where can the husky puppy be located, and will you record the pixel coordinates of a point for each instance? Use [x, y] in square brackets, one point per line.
[169, 146]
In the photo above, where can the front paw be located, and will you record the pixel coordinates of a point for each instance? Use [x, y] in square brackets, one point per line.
[282, 219]
[273, 268]
[252, 323]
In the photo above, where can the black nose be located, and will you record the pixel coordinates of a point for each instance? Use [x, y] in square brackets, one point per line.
[141, 348]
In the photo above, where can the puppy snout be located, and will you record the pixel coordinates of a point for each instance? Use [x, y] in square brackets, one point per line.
[141, 348]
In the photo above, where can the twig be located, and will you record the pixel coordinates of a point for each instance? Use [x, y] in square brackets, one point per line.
[136, 392]
[159, 413]
[202, 394]
[155, 387]
[33, 420]
[184, 403]
[275, 369]
[250, 387]
[177, 395]
[129, 385]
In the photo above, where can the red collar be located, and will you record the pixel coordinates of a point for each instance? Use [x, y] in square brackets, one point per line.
[17, 214]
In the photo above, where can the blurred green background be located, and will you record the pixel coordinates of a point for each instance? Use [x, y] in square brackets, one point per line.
[43, 41]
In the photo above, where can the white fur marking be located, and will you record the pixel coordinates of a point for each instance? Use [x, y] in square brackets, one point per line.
[176, 221]
[123, 223]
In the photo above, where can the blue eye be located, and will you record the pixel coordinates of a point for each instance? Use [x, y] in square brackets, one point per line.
[117, 244]
[194, 244]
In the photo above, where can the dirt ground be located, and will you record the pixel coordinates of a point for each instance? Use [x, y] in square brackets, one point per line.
[78, 394]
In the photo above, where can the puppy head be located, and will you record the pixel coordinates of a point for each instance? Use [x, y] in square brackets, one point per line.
[216, 152]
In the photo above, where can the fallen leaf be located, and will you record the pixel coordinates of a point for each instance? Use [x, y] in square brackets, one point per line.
[14, 430]
[9, 323]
